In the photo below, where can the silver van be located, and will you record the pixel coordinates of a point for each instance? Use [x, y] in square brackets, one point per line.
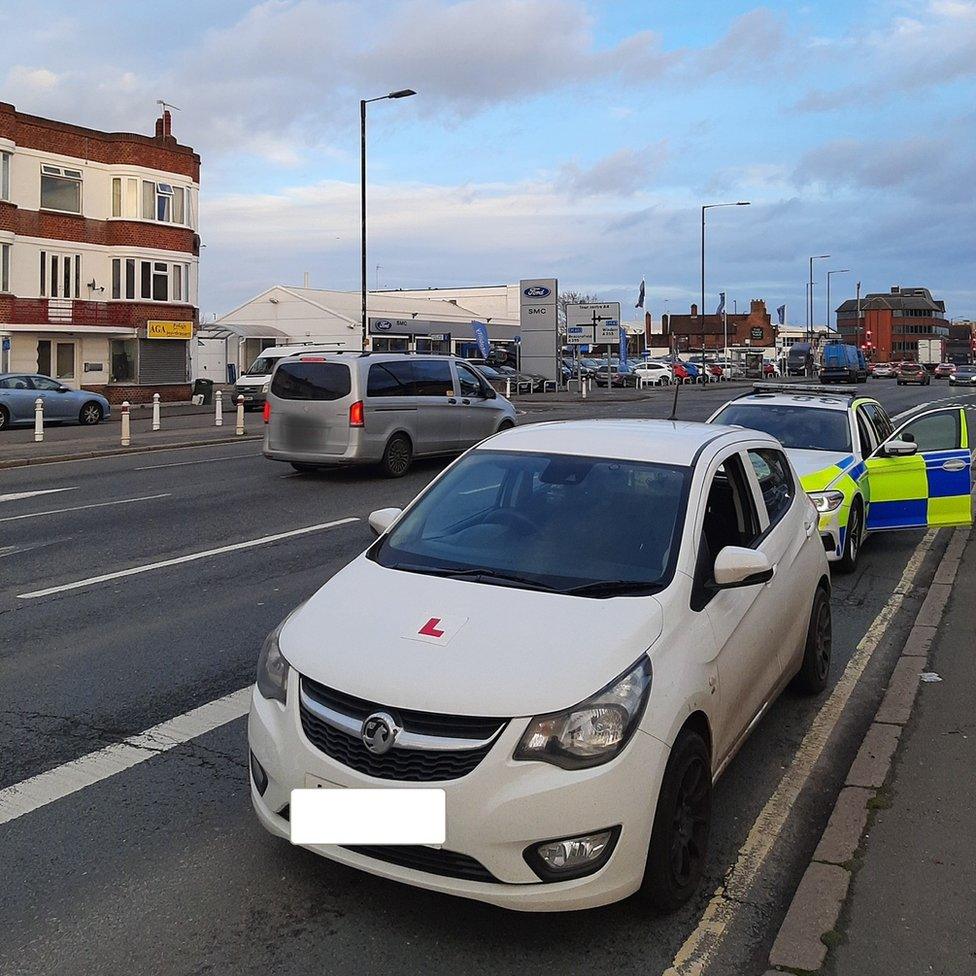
[325, 409]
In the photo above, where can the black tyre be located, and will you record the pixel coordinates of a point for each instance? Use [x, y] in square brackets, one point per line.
[812, 676]
[854, 538]
[505, 425]
[4, 418]
[397, 456]
[679, 841]
[90, 414]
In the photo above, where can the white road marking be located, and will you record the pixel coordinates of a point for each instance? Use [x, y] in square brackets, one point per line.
[82, 508]
[699, 948]
[177, 464]
[179, 560]
[62, 781]
[18, 495]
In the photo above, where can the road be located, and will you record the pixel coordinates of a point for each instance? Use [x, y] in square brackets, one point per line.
[162, 867]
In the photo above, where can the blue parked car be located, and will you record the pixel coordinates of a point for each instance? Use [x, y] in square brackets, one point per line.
[18, 391]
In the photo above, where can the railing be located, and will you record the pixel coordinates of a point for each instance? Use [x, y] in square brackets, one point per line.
[65, 311]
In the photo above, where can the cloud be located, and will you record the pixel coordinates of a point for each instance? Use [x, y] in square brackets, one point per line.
[621, 173]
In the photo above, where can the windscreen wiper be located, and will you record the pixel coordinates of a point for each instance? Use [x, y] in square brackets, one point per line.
[477, 575]
[614, 588]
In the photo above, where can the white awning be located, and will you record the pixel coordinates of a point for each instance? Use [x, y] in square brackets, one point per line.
[72, 329]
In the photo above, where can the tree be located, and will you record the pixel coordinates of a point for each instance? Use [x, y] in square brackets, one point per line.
[573, 298]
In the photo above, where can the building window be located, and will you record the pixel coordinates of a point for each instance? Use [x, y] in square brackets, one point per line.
[145, 279]
[65, 361]
[4, 176]
[61, 189]
[179, 205]
[116, 278]
[117, 196]
[164, 203]
[4, 267]
[122, 360]
[160, 288]
[131, 198]
[130, 277]
[177, 282]
[60, 275]
[159, 281]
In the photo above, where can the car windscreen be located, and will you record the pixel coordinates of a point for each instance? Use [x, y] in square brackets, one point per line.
[597, 526]
[311, 381]
[802, 428]
[262, 366]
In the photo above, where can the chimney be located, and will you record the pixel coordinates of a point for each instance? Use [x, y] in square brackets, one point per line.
[164, 125]
[694, 309]
[895, 289]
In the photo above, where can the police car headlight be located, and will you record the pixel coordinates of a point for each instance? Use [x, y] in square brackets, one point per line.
[827, 501]
[594, 731]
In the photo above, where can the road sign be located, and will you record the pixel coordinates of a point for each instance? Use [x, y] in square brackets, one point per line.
[599, 323]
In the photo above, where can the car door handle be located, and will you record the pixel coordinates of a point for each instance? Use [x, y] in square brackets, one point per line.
[466, 401]
[451, 400]
[808, 527]
[954, 464]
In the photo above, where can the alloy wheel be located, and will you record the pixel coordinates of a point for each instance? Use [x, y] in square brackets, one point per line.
[689, 829]
[91, 414]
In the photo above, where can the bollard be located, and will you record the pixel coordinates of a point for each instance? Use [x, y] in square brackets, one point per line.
[155, 425]
[219, 409]
[38, 419]
[240, 415]
[584, 383]
[508, 388]
[125, 423]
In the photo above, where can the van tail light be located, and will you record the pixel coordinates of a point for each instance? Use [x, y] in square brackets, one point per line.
[267, 411]
[356, 416]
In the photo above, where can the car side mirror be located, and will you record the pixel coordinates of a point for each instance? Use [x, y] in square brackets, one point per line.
[737, 566]
[383, 518]
[899, 447]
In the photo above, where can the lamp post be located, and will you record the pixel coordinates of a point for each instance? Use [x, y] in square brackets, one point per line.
[815, 257]
[363, 102]
[701, 311]
[829, 273]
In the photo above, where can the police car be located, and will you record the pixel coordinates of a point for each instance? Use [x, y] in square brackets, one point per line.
[863, 474]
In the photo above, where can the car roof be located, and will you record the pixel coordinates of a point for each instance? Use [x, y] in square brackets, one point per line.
[663, 441]
[810, 396]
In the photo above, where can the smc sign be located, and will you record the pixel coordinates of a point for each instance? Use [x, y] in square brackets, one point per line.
[537, 291]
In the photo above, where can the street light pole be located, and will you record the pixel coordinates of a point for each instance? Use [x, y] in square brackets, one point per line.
[701, 310]
[829, 273]
[815, 257]
[363, 102]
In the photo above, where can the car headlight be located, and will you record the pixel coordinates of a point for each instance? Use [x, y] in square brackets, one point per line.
[827, 501]
[272, 679]
[594, 731]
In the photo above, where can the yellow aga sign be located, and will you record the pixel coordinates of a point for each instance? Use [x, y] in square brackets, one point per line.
[169, 330]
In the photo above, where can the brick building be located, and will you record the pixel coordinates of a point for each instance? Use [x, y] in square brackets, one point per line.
[99, 256]
[891, 323]
[752, 329]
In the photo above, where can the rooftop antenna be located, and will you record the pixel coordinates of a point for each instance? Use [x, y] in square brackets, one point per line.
[166, 105]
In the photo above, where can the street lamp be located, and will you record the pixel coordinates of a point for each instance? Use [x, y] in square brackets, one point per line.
[829, 273]
[363, 102]
[701, 311]
[816, 257]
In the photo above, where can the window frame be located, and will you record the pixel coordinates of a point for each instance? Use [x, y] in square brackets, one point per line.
[6, 161]
[5, 249]
[69, 175]
[761, 498]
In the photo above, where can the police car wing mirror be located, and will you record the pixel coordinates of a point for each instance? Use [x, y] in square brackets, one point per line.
[383, 518]
[899, 447]
[737, 566]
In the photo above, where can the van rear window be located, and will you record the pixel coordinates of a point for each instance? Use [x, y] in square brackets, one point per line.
[311, 381]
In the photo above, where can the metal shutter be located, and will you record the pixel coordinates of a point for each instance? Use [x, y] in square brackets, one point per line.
[162, 361]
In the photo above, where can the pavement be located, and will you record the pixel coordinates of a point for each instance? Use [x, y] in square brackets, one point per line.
[915, 879]
[135, 590]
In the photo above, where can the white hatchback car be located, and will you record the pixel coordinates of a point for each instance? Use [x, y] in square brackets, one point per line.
[652, 372]
[575, 692]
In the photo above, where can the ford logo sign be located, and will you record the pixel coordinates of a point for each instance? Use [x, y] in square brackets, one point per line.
[383, 325]
[537, 291]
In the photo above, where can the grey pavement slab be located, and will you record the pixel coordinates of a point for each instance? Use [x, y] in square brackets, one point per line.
[912, 900]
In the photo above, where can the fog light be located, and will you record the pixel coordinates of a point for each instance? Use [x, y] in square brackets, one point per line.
[259, 776]
[572, 857]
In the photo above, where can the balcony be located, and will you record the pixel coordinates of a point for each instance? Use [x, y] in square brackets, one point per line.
[66, 311]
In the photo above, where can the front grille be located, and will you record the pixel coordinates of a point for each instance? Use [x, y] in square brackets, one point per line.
[403, 765]
[447, 864]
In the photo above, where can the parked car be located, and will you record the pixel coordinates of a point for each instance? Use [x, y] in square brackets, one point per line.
[913, 373]
[680, 373]
[384, 408]
[944, 370]
[657, 373]
[963, 376]
[842, 363]
[62, 405]
[571, 778]
[532, 382]
[884, 371]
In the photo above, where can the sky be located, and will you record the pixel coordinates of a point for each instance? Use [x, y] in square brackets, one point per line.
[548, 138]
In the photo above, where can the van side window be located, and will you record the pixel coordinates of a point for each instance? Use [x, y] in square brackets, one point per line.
[470, 384]
[389, 379]
[432, 377]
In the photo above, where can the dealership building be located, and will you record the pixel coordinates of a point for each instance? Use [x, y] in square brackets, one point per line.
[99, 256]
[431, 320]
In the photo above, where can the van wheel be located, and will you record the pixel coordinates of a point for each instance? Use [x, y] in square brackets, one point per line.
[397, 456]
[812, 676]
[852, 542]
[679, 841]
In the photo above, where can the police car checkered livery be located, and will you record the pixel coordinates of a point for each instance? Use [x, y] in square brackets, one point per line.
[862, 474]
